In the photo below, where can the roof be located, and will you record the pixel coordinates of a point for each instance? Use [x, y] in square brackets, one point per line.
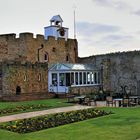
[72, 67]
[56, 18]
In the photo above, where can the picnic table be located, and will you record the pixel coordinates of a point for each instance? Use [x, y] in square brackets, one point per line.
[118, 101]
[80, 98]
[130, 101]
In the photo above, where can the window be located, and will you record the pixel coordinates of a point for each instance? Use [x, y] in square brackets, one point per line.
[72, 78]
[85, 77]
[54, 49]
[67, 58]
[39, 77]
[0, 74]
[80, 78]
[62, 79]
[95, 78]
[25, 78]
[76, 78]
[88, 78]
[46, 57]
[54, 79]
[92, 77]
[99, 78]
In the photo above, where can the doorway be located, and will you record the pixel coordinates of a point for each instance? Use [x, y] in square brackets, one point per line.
[18, 90]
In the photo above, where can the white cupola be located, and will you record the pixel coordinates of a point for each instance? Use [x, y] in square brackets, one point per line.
[56, 29]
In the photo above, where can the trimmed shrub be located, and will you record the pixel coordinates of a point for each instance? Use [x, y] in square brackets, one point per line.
[53, 120]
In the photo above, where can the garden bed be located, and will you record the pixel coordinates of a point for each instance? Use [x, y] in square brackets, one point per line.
[53, 120]
[22, 108]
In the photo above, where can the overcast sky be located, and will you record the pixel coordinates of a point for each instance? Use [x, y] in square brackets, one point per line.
[102, 26]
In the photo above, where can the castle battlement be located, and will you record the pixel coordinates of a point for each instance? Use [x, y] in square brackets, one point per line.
[10, 36]
[27, 46]
[29, 36]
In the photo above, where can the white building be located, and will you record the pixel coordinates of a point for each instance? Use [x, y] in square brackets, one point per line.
[63, 76]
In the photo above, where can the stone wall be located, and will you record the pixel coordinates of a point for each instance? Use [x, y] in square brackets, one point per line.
[84, 90]
[0, 78]
[120, 70]
[25, 48]
[31, 78]
[23, 64]
[27, 97]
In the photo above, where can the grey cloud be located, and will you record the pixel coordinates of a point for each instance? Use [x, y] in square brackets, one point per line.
[138, 32]
[137, 12]
[112, 3]
[114, 38]
[86, 28]
[103, 2]
[107, 3]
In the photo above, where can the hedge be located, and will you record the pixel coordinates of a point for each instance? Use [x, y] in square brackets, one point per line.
[53, 120]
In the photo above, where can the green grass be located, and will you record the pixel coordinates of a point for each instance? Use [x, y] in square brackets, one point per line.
[123, 125]
[51, 103]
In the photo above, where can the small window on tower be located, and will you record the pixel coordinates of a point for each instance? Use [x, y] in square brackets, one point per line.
[39, 77]
[54, 49]
[0, 74]
[25, 78]
[46, 57]
[67, 58]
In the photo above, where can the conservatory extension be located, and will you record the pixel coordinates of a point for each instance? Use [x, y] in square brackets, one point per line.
[63, 76]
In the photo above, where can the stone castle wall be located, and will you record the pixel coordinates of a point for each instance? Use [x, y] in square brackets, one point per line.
[119, 70]
[25, 48]
[23, 64]
[32, 78]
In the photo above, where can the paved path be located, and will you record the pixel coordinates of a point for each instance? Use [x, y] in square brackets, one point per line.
[40, 113]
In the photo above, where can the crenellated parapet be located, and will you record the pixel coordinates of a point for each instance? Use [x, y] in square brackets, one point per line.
[29, 36]
[25, 48]
[7, 37]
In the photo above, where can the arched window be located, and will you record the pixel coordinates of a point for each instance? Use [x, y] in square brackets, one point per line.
[39, 77]
[25, 78]
[46, 57]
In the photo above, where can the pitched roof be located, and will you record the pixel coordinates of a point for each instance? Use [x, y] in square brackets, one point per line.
[72, 67]
[56, 18]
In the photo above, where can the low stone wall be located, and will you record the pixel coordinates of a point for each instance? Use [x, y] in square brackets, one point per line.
[84, 90]
[27, 97]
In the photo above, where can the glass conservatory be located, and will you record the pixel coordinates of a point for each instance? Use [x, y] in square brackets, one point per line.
[63, 76]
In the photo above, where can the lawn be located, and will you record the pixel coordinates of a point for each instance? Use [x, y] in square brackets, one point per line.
[123, 125]
[51, 103]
